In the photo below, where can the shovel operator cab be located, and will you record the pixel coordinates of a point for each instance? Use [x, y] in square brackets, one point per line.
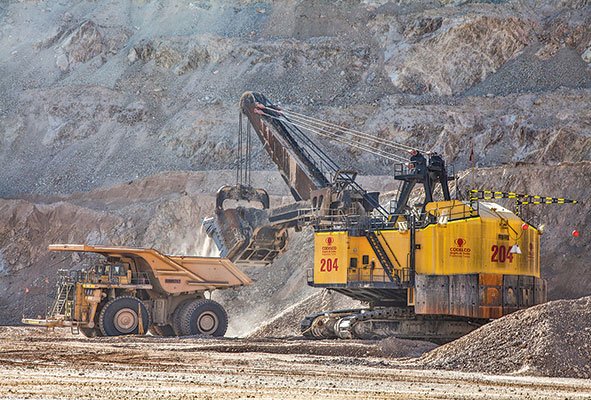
[136, 290]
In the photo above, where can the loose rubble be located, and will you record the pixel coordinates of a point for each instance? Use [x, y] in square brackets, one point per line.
[552, 339]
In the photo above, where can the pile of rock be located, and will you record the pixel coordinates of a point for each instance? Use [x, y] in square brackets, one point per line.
[552, 339]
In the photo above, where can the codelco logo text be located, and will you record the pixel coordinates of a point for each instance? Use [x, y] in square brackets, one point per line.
[460, 249]
[329, 247]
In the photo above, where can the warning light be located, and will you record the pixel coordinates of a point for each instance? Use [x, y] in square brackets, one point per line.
[576, 233]
[524, 227]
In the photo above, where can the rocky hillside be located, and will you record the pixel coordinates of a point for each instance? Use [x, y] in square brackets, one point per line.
[98, 93]
[118, 120]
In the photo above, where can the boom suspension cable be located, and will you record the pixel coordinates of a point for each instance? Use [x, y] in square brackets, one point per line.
[352, 132]
[323, 158]
[331, 135]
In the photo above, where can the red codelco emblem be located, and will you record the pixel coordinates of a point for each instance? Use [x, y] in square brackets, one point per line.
[460, 249]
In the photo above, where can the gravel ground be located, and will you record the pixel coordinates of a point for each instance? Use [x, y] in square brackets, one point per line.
[36, 364]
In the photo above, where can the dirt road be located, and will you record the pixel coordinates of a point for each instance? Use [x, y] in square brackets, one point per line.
[36, 364]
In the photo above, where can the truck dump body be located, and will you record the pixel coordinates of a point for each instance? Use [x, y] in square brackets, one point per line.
[173, 274]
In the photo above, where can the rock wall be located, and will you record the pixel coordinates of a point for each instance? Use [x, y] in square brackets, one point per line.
[102, 93]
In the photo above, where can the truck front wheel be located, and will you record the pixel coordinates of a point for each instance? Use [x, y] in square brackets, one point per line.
[203, 317]
[121, 316]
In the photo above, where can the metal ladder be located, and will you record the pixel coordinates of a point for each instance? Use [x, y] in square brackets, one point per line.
[377, 247]
[61, 298]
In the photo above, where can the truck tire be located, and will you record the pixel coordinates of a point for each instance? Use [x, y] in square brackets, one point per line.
[176, 317]
[162, 330]
[93, 332]
[203, 317]
[120, 316]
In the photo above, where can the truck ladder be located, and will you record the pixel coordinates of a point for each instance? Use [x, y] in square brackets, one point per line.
[61, 298]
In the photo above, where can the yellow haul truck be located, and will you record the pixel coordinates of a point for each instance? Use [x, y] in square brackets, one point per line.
[136, 290]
